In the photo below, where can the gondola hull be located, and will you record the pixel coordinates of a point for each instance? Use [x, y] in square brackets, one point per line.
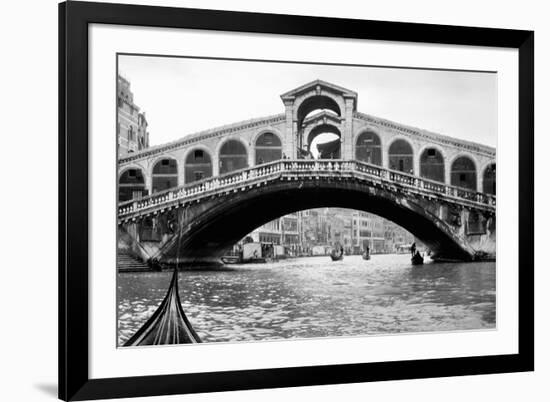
[417, 259]
[168, 324]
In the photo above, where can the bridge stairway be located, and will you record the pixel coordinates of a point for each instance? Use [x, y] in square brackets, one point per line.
[128, 263]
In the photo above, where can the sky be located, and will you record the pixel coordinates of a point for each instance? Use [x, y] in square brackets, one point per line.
[181, 96]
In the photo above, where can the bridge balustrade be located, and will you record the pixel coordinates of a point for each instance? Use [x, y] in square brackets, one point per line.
[431, 186]
[230, 180]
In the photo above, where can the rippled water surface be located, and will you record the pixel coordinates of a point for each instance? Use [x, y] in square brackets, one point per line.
[315, 297]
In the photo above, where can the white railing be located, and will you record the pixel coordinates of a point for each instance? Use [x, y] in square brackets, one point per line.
[300, 167]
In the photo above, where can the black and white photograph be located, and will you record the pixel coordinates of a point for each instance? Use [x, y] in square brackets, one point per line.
[213, 201]
[268, 200]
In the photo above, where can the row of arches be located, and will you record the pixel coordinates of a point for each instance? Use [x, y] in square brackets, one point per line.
[198, 165]
[432, 163]
[233, 156]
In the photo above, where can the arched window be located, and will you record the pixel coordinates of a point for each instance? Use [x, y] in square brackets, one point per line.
[131, 185]
[198, 166]
[490, 179]
[268, 148]
[463, 173]
[368, 149]
[165, 175]
[401, 156]
[432, 165]
[233, 156]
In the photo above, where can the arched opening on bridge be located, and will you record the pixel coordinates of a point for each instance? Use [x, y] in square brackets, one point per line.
[316, 104]
[401, 156]
[314, 232]
[233, 156]
[268, 148]
[432, 165]
[309, 108]
[368, 148]
[131, 185]
[490, 179]
[463, 173]
[216, 230]
[198, 166]
[165, 175]
[324, 142]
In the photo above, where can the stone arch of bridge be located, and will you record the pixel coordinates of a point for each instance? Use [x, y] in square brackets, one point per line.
[320, 120]
[265, 150]
[245, 156]
[401, 155]
[313, 101]
[164, 172]
[325, 128]
[196, 166]
[439, 175]
[489, 172]
[213, 227]
[368, 146]
[132, 183]
[470, 179]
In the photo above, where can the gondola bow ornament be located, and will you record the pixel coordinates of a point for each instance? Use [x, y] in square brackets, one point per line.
[168, 324]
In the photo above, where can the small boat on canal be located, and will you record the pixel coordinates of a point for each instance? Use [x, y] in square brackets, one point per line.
[232, 259]
[168, 325]
[337, 254]
[366, 256]
[417, 259]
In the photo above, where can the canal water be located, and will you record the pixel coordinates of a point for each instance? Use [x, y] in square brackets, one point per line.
[315, 297]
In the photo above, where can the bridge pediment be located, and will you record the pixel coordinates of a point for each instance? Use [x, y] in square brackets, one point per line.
[319, 87]
[322, 118]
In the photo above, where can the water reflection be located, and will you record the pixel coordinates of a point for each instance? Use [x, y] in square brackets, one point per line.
[314, 297]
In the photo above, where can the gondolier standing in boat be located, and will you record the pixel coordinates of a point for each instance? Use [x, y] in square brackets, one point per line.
[413, 248]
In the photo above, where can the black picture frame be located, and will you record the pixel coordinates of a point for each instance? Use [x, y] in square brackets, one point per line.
[74, 18]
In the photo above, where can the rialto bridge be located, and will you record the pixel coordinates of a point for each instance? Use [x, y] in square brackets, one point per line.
[213, 187]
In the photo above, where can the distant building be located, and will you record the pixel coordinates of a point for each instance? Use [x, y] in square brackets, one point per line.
[316, 231]
[290, 234]
[340, 227]
[368, 231]
[395, 237]
[268, 233]
[132, 125]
